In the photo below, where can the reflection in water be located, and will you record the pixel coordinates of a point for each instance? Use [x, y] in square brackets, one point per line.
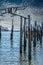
[34, 53]
[25, 59]
[10, 55]
[0, 41]
[11, 42]
[41, 45]
[21, 59]
[29, 63]
[41, 42]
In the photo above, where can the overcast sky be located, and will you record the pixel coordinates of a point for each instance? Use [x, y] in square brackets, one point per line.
[34, 9]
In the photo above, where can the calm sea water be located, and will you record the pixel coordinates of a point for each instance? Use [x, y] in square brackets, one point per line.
[9, 54]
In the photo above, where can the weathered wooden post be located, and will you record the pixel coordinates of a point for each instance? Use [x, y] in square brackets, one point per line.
[24, 35]
[40, 36]
[10, 10]
[20, 34]
[31, 32]
[29, 39]
[42, 28]
[34, 44]
[11, 36]
[37, 33]
[0, 33]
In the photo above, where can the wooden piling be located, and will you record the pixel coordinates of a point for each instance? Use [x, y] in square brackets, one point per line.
[11, 36]
[29, 39]
[40, 36]
[42, 28]
[34, 43]
[20, 34]
[24, 35]
[0, 32]
[31, 33]
[37, 34]
[10, 10]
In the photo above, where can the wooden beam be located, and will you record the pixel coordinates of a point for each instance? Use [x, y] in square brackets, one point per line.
[19, 15]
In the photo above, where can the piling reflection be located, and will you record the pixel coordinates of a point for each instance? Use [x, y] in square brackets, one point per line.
[11, 41]
[21, 59]
[0, 41]
[25, 60]
[29, 63]
[34, 55]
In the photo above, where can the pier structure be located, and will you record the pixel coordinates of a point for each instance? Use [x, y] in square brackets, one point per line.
[23, 32]
[36, 33]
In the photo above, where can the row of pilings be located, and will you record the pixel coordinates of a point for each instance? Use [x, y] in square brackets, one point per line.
[34, 34]
[25, 36]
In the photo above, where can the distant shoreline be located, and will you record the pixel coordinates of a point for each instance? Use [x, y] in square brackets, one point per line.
[10, 31]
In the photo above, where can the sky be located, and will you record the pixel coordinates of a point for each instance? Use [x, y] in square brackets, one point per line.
[34, 9]
[34, 3]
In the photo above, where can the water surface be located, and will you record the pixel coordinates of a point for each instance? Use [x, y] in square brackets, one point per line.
[10, 54]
